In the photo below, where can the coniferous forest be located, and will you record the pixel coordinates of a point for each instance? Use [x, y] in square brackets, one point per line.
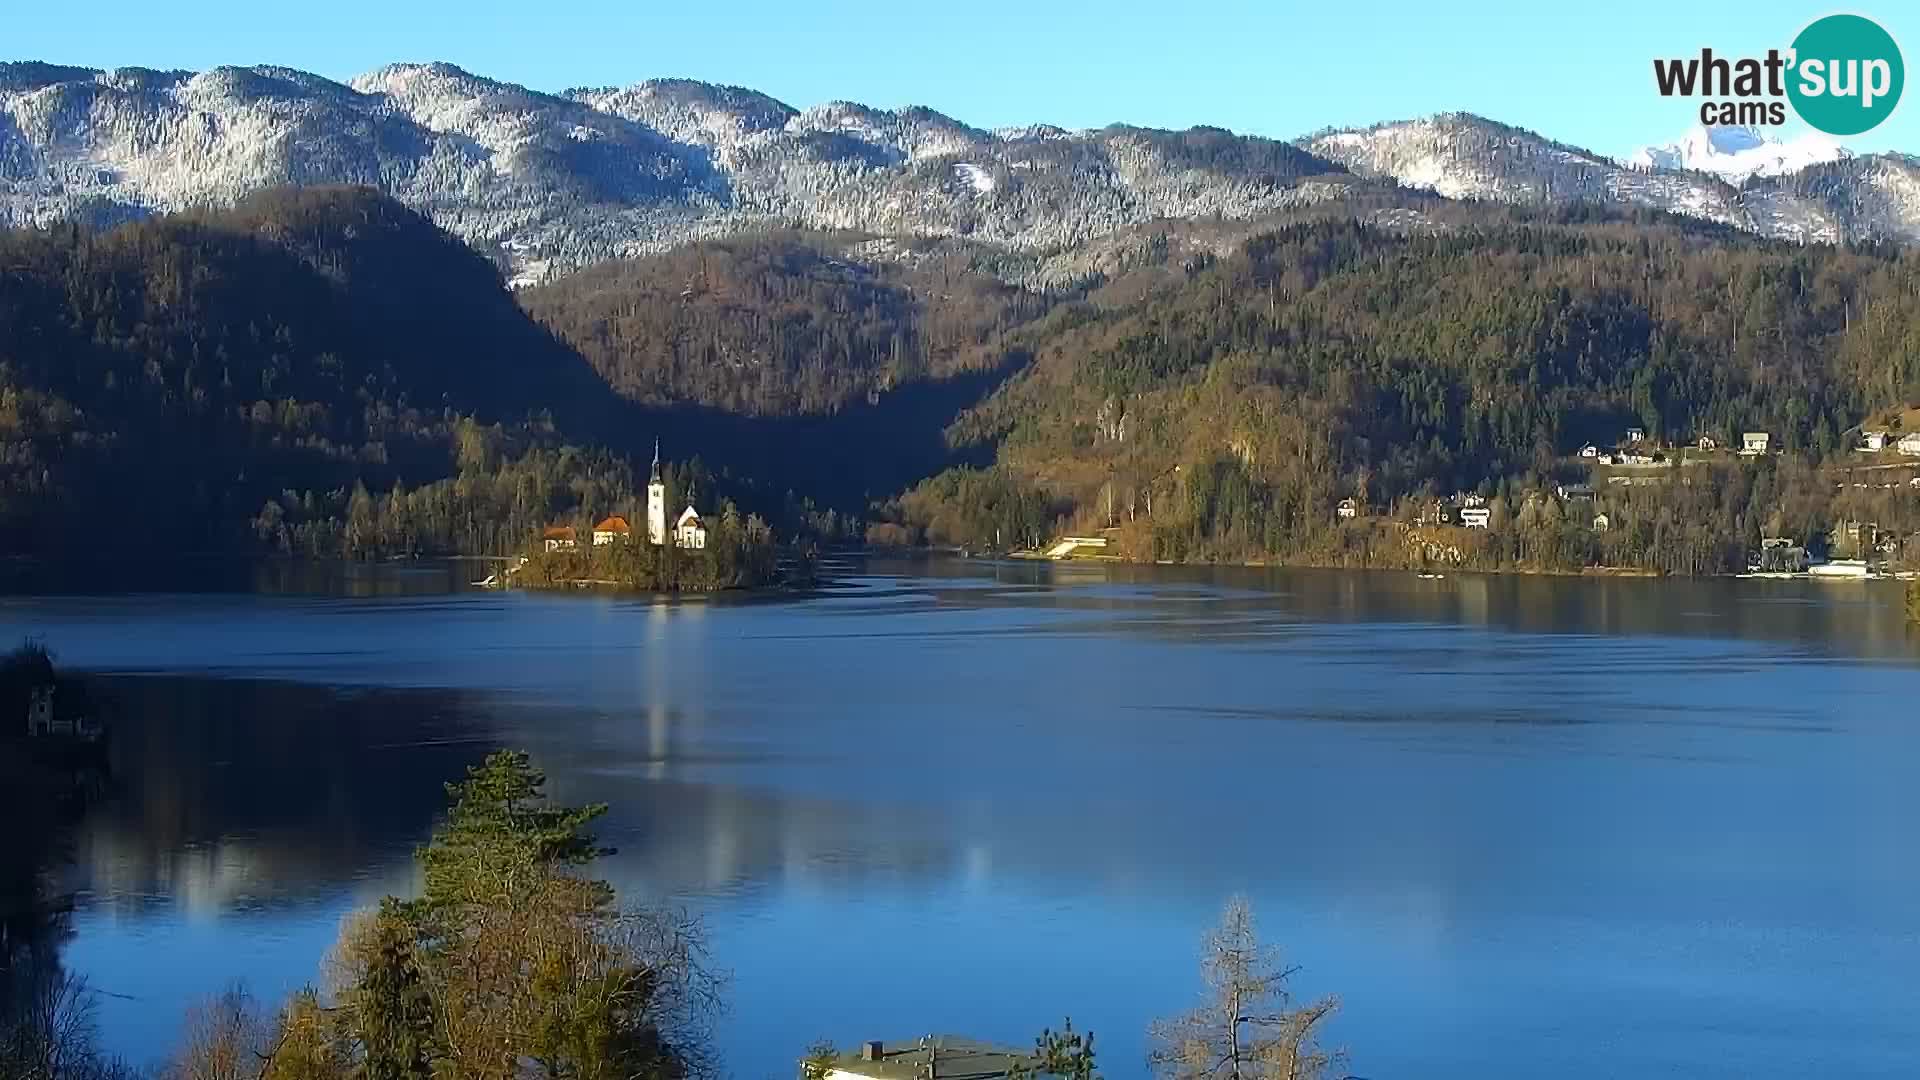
[324, 372]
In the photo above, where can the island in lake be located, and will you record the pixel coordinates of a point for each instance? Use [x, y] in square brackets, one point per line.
[694, 555]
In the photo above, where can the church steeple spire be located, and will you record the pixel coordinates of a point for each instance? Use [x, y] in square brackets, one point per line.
[656, 500]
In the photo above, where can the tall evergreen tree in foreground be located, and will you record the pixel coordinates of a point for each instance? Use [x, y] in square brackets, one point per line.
[512, 963]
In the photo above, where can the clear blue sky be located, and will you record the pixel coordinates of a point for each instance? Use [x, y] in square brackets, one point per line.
[1580, 73]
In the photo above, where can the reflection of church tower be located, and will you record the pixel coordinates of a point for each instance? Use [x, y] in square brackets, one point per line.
[656, 501]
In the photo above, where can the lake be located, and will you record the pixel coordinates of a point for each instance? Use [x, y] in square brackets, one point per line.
[1520, 826]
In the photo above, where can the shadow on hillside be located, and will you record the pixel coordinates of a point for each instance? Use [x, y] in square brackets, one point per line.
[844, 459]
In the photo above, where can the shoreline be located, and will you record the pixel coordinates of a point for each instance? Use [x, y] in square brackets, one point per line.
[1310, 564]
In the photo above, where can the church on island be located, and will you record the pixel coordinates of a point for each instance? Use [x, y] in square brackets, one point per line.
[688, 530]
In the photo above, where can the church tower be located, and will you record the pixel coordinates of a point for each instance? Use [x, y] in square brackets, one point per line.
[656, 501]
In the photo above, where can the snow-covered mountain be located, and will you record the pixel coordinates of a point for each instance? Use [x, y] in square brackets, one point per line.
[1463, 156]
[552, 181]
[1736, 153]
[556, 180]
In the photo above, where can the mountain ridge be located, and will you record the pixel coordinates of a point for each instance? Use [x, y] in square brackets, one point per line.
[550, 182]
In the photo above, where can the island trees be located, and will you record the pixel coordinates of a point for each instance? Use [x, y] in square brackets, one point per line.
[1249, 1025]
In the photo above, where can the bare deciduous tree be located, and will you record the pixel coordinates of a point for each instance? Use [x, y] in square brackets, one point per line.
[227, 1038]
[52, 1035]
[1248, 1027]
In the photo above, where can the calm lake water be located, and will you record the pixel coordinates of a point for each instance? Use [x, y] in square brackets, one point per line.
[1522, 827]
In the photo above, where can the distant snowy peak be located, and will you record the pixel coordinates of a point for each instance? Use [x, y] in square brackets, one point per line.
[1736, 153]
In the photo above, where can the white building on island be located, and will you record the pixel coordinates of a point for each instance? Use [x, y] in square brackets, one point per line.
[688, 530]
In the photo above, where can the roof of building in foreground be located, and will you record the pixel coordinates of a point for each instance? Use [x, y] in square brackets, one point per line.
[954, 1057]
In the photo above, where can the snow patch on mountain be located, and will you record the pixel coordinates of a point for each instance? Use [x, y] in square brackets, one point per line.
[976, 177]
[1737, 153]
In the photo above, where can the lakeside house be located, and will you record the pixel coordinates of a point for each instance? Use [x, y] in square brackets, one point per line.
[1348, 509]
[1636, 435]
[932, 1057]
[1070, 547]
[1753, 443]
[1873, 442]
[1434, 513]
[1589, 451]
[1601, 523]
[611, 528]
[44, 721]
[1476, 517]
[1708, 443]
[1909, 444]
[558, 538]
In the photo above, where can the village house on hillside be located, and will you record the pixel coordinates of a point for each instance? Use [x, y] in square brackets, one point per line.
[1753, 443]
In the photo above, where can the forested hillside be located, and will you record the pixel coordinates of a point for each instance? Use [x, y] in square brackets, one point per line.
[166, 383]
[1224, 418]
[779, 324]
[324, 371]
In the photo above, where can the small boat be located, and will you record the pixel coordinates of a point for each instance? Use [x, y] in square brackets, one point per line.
[1432, 577]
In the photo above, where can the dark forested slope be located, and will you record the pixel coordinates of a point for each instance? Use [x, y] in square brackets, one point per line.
[160, 381]
[324, 371]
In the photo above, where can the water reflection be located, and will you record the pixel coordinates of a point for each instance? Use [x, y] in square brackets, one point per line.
[225, 574]
[242, 793]
[1847, 616]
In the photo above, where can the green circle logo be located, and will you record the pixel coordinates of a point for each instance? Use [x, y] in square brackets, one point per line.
[1847, 74]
